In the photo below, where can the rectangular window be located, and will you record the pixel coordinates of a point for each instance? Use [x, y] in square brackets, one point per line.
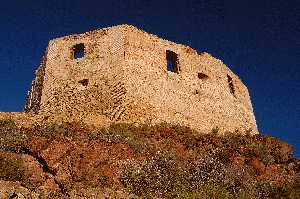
[78, 51]
[172, 61]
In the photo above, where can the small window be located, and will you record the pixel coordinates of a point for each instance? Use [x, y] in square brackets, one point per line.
[84, 82]
[78, 51]
[230, 84]
[202, 76]
[172, 61]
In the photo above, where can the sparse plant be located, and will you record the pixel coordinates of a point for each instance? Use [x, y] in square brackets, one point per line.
[215, 130]
[11, 169]
[11, 137]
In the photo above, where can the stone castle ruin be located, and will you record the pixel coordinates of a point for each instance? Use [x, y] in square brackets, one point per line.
[128, 75]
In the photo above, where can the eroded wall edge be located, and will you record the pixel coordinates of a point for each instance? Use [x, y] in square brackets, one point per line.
[34, 95]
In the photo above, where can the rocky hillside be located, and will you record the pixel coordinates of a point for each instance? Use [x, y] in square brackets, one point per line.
[73, 160]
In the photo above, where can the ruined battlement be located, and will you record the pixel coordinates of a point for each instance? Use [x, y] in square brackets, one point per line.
[128, 75]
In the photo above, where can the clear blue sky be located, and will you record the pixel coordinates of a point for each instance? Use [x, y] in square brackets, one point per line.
[259, 40]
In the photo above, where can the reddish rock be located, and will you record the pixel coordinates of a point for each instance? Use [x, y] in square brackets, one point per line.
[55, 151]
[80, 165]
[237, 160]
[257, 165]
[37, 144]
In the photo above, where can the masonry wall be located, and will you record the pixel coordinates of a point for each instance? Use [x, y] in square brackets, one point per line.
[34, 95]
[183, 98]
[101, 67]
[124, 77]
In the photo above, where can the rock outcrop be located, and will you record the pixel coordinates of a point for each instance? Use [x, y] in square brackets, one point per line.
[76, 160]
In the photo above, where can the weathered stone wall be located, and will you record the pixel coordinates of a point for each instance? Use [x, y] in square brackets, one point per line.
[34, 95]
[124, 76]
[101, 68]
[185, 98]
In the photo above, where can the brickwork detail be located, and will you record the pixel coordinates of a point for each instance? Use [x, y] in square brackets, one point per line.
[118, 95]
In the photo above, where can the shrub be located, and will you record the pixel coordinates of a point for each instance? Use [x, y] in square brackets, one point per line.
[206, 169]
[11, 169]
[51, 130]
[207, 191]
[122, 132]
[215, 130]
[71, 130]
[157, 176]
[11, 137]
[162, 176]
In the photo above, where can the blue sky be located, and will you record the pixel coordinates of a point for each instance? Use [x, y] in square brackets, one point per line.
[258, 40]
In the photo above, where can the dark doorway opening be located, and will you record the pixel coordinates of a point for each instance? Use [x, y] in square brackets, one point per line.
[172, 61]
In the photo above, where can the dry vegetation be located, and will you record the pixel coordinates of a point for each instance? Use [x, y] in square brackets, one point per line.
[143, 161]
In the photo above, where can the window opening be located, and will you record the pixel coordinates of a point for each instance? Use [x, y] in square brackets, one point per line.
[78, 51]
[172, 61]
[84, 82]
[230, 84]
[202, 76]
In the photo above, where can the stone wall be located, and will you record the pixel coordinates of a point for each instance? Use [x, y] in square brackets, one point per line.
[123, 75]
[34, 95]
[89, 85]
[198, 96]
